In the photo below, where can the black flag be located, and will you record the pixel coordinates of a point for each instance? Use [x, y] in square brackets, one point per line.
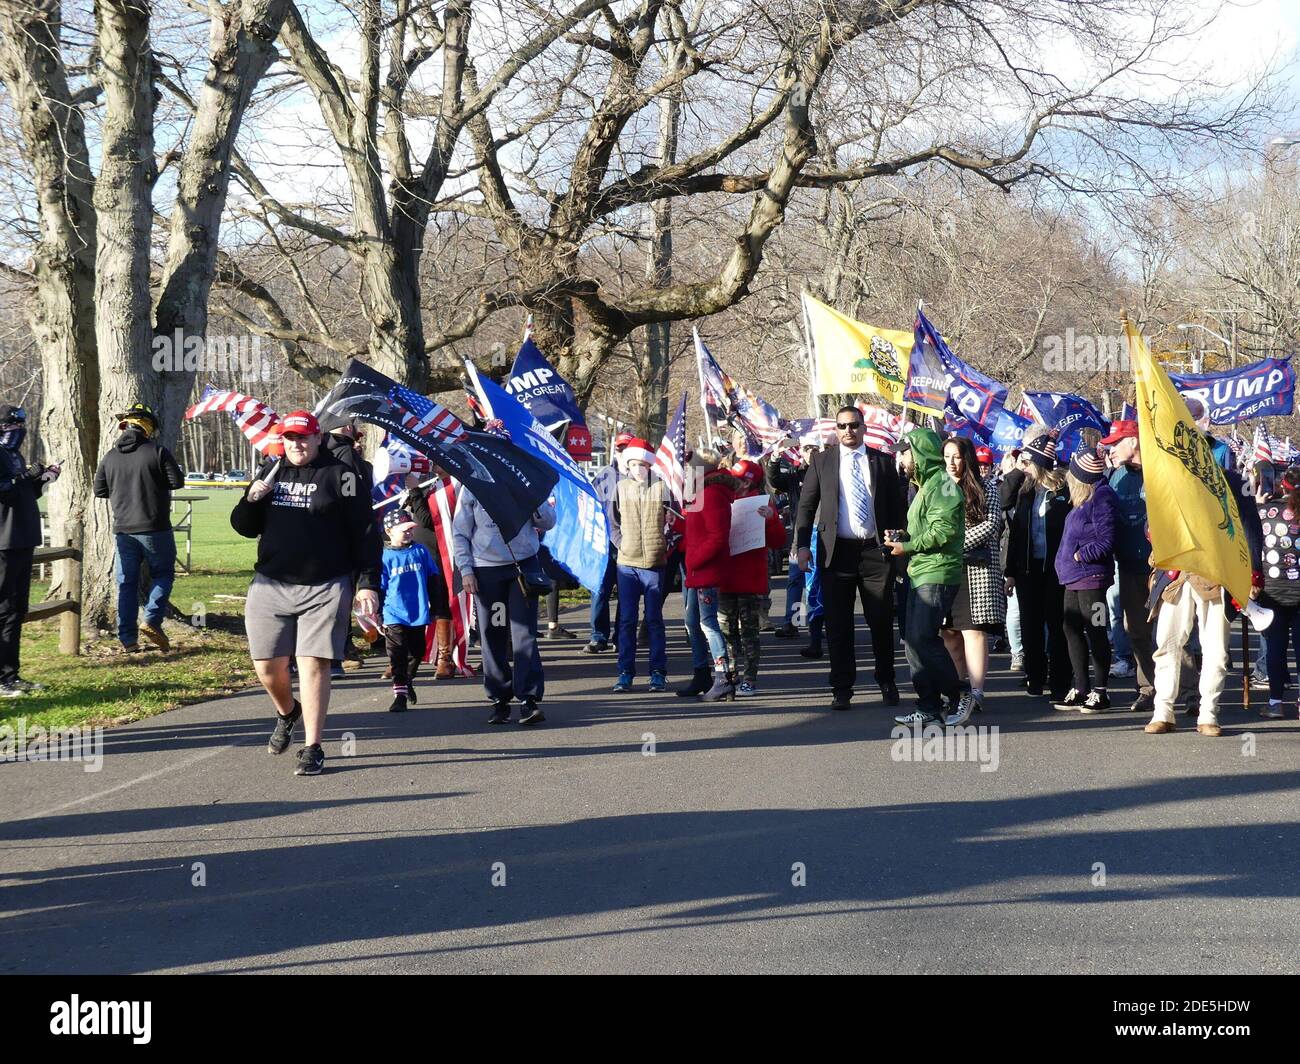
[510, 482]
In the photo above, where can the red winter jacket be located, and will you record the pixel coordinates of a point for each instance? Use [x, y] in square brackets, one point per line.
[708, 532]
[747, 573]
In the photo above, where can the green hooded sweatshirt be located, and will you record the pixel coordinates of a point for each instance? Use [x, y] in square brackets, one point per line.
[936, 520]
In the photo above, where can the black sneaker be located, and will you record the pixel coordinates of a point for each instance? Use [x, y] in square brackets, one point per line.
[398, 704]
[1096, 702]
[786, 631]
[311, 761]
[500, 712]
[1072, 700]
[283, 734]
[811, 652]
[596, 646]
[27, 686]
[410, 694]
[532, 713]
[11, 690]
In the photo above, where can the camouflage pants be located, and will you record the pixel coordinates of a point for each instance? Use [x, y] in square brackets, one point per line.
[738, 617]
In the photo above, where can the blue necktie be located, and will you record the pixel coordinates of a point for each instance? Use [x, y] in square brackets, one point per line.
[861, 501]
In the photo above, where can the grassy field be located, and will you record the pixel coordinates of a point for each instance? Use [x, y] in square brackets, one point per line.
[207, 659]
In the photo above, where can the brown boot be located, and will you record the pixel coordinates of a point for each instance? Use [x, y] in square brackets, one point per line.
[1160, 727]
[442, 635]
[1212, 730]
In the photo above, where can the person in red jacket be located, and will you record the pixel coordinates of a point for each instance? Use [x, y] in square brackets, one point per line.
[708, 553]
[745, 582]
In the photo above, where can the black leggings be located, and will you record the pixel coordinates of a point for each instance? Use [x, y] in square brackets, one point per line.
[1087, 627]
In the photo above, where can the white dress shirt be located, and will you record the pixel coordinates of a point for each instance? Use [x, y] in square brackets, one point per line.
[849, 525]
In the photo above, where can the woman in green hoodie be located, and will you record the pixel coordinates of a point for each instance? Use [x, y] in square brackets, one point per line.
[936, 526]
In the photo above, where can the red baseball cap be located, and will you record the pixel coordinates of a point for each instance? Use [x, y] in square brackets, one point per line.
[983, 455]
[623, 439]
[750, 472]
[1121, 430]
[299, 423]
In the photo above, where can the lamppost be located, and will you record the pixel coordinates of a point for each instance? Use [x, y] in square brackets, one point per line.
[1229, 344]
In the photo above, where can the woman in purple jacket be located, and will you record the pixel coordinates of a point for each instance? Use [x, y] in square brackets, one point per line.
[1085, 564]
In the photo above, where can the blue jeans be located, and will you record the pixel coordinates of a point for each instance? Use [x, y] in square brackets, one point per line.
[1013, 626]
[158, 549]
[633, 585]
[1118, 636]
[813, 583]
[600, 599]
[707, 597]
[512, 664]
[694, 633]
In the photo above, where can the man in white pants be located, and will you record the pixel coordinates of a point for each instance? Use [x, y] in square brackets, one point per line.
[1185, 599]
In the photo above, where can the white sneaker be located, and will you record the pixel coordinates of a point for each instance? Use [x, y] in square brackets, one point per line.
[965, 707]
[1122, 668]
[917, 717]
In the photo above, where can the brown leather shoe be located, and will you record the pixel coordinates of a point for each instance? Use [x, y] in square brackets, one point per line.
[1160, 727]
[1212, 730]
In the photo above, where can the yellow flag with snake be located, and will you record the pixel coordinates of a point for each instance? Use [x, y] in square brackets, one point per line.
[1191, 509]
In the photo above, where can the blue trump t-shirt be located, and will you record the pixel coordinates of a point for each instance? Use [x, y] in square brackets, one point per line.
[404, 579]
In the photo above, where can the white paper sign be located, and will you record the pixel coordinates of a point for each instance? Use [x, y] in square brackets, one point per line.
[747, 527]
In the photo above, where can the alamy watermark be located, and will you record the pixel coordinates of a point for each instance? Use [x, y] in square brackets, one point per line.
[1085, 353]
[937, 743]
[18, 742]
[212, 355]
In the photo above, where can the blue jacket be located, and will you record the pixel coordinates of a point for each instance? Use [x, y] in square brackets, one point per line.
[1132, 548]
[404, 579]
[1089, 532]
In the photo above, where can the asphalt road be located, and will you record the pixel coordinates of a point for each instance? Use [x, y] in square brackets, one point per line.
[685, 861]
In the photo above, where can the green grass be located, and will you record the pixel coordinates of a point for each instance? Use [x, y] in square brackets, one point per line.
[102, 687]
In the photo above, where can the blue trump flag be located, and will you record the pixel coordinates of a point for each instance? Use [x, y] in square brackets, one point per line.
[927, 376]
[971, 394]
[1262, 389]
[548, 397]
[579, 542]
[1068, 414]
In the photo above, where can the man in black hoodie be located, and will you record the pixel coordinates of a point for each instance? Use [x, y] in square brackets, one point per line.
[20, 535]
[138, 477]
[315, 530]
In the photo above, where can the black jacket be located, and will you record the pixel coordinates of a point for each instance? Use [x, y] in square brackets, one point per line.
[1020, 543]
[20, 515]
[315, 526]
[138, 477]
[819, 499]
[341, 448]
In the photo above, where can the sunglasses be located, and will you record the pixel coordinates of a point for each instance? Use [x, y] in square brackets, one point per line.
[849, 426]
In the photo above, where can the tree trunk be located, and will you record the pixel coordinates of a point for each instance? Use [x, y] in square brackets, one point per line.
[652, 385]
[123, 206]
[243, 48]
[61, 311]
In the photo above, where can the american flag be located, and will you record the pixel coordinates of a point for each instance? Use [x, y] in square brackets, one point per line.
[881, 428]
[1128, 412]
[1263, 448]
[670, 464]
[442, 505]
[424, 417]
[255, 419]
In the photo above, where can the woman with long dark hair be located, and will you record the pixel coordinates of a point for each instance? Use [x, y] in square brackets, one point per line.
[981, 603]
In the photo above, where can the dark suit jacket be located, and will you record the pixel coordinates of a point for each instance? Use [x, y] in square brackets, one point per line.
[819, 499]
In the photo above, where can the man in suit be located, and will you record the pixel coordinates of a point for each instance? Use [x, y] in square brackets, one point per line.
[852, 493]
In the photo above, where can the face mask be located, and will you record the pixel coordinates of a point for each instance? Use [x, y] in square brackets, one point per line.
[12, 439]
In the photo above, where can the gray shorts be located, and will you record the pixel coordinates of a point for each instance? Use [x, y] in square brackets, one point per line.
[306, 620]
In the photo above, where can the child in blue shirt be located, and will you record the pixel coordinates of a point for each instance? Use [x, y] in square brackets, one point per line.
[407, 571]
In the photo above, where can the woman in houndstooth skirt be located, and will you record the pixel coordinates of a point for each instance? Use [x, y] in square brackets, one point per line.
[981, 604]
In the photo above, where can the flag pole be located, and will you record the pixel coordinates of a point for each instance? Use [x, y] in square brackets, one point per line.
[814, 400]
[704, 403]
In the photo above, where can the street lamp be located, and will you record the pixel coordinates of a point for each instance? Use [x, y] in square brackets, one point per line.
[1232, 348]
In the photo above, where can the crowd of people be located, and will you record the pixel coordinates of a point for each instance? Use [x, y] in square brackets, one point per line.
[1042, 555]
